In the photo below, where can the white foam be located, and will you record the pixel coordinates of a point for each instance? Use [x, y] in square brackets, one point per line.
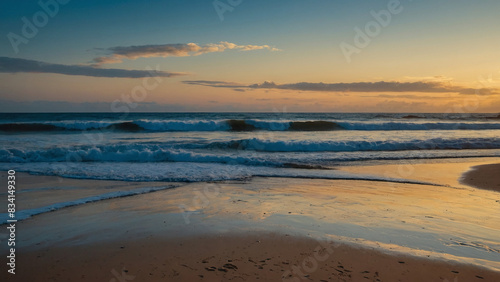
[350, 146]
[252, 151]
[81, 125]
[390, 126]
[124, 153]
[183, 172]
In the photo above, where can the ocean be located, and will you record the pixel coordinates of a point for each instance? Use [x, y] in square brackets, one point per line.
[190, 147]
[272, 166]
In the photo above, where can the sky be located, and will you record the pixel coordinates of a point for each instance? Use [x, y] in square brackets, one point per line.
[250, 56]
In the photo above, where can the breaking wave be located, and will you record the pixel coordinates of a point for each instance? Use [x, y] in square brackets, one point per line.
[240, 125]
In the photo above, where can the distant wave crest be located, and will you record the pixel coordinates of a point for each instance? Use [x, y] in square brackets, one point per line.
[350, 146]
[240, 125]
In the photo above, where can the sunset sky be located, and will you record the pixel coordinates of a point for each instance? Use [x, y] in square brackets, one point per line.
[250, 55]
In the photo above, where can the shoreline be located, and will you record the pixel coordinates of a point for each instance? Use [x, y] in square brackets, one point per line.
[244, 230]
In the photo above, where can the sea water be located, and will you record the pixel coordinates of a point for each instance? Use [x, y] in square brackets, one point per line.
[222, 146]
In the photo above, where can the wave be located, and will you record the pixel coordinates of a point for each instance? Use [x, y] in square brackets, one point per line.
[250, 125]
[391, 126]
[314, 126]
[241, 125]
[69, 126]
[494, 117]
[351, 146]
[253, 152]
[125, 153]
[187, 172]
[184, 125]
[29, 127]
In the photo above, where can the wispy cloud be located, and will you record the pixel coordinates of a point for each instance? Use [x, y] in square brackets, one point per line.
[15, 65]
[118, 54]
[44, 106]
[214, 83]
[412, 96]
[380, 86]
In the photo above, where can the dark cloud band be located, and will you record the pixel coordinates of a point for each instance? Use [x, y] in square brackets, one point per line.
[380, 86]
[15, 65]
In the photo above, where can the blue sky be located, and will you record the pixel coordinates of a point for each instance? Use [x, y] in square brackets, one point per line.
[445, 41]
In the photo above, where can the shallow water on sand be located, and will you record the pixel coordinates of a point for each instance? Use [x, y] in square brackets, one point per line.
[450, 220]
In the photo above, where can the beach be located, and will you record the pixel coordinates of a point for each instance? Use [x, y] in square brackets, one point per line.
[233, 140]
[233, 257]
[267, 229]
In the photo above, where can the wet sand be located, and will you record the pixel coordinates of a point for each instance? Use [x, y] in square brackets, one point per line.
[484, 177]
[265, 229]
[253, 257]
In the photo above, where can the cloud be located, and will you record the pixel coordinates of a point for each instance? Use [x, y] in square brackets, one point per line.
[15, 65]
[380, 86]
[213, 83]
[44, 106]
[410, 96]
[118, 54]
